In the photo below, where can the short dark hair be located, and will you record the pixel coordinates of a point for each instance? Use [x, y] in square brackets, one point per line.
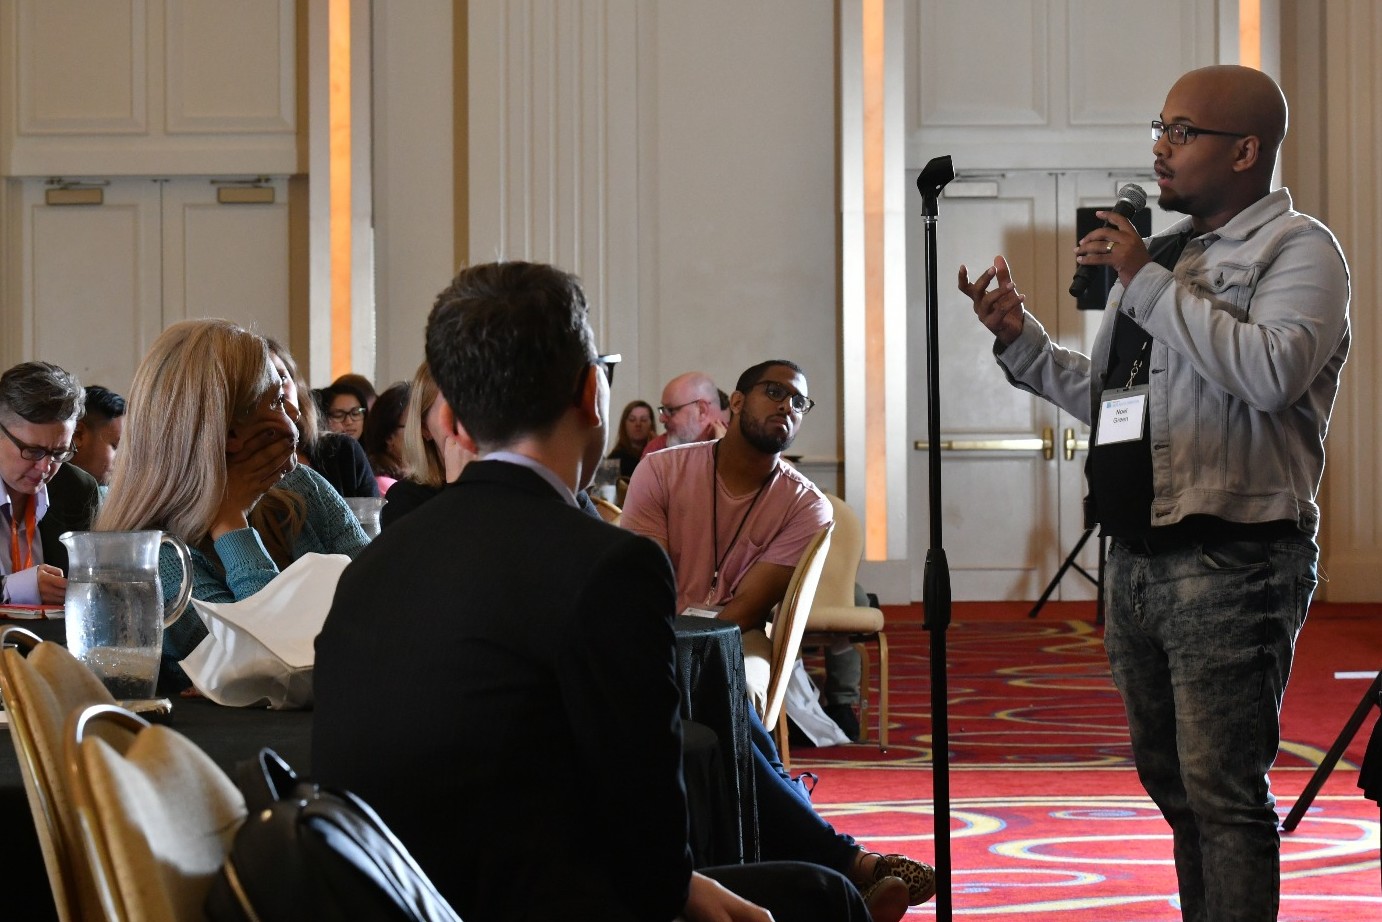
[341, 388]
[104, 403]
[753, 375]
[41, 392]
[507, 343]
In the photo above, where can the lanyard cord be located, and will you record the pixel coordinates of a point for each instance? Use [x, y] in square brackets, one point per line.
[715, 519]
[1137, 362]
[25, 559]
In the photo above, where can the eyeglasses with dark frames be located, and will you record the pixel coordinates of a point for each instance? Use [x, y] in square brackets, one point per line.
[607, 362]
[1178, 133]
[38, 452]
[669, 412]
[341, 416]
[778, 392]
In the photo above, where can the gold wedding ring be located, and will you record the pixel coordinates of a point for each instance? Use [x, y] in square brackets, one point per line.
[1109, 248]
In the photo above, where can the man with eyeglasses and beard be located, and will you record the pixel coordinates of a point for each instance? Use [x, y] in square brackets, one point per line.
[41, 497]
[1209, 390]
[734, 518]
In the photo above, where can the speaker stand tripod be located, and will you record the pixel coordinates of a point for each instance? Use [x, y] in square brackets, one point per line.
[1071, 564]
[1331, 758]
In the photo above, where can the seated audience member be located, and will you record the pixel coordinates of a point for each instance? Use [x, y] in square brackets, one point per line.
[40, 496]
[636, 427]
[361, 385]
[734, 519]
[433, 455]
[382, 437]
[210, 455]
[690, 412]
[97, 437]
[346, 409]
[336, 456]
[508, 606]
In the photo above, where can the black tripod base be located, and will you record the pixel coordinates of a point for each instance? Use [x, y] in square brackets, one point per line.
[1071, 564]
[1336, 752]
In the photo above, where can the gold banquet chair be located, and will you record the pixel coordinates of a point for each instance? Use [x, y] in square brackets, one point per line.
[835, 613]
[788, 628]
[158, 817]
[42, 683]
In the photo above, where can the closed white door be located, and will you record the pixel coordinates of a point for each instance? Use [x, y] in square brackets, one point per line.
[226, 258]
[1012, 465]
[102, 278]
[91, 287]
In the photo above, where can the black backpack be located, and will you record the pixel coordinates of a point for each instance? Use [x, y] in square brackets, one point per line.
[307, 852]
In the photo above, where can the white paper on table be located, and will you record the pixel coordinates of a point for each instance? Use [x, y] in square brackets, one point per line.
[261, 650]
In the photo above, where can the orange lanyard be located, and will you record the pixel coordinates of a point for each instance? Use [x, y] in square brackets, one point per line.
[23, 560]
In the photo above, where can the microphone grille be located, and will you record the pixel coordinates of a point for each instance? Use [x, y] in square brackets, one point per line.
[1133, 193]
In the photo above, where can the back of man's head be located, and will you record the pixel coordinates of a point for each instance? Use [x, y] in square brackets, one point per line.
[507, 343]
[41, 392]
[102, 405]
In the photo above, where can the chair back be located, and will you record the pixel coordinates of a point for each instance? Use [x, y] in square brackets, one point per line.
[842, 563]
[158, 817]
[608, 511]
[40, 689]
[790, 622]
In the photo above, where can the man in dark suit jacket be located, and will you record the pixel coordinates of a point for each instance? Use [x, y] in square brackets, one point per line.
[73, 498]
[495, 675]
[42, 497]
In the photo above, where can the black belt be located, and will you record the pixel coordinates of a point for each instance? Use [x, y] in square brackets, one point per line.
[1202, 530]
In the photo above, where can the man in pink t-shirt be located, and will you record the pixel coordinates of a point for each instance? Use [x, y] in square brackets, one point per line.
[733, 517]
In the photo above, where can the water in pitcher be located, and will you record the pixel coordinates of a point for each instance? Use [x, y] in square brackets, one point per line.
[114, 626]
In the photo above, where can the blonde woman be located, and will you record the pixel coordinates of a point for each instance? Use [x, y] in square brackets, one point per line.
[433, 456]
[209, 454]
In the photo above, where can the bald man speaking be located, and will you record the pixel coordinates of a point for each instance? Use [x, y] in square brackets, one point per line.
[1208, 393]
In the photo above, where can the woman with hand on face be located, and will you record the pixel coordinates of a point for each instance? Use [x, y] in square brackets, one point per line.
[210, 454]
[340, 459]
[637, 426]
[433, 454]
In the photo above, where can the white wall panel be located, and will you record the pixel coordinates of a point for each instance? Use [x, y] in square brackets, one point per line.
[107, 93]
[1351, 539]
[226, 261]
[978, 76]
[90, 300]
[229, 66]
[554, 141]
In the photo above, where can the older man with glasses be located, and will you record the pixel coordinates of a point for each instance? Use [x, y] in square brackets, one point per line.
[690, 412]
[40, 496]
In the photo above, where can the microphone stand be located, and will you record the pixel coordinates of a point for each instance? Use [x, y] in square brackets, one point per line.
[936, 583]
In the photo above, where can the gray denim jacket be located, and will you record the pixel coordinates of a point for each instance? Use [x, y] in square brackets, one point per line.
[1248, 337]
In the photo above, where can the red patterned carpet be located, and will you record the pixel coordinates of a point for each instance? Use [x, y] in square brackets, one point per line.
[1047, 816]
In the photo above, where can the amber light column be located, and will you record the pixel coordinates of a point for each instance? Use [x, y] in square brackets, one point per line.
[340, 144]
[875, 326]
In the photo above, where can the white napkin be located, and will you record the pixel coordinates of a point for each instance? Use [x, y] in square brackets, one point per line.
[261, 650]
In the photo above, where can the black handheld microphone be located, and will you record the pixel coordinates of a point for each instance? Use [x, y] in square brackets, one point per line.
[1131, 200]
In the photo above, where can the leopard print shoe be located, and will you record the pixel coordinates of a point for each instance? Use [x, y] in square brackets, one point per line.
[920, 878]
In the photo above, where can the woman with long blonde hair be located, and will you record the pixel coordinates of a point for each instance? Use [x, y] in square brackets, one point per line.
[209, 453]
[433, 456]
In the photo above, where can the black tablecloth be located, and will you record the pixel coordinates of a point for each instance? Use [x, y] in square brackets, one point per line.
[710, 673]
